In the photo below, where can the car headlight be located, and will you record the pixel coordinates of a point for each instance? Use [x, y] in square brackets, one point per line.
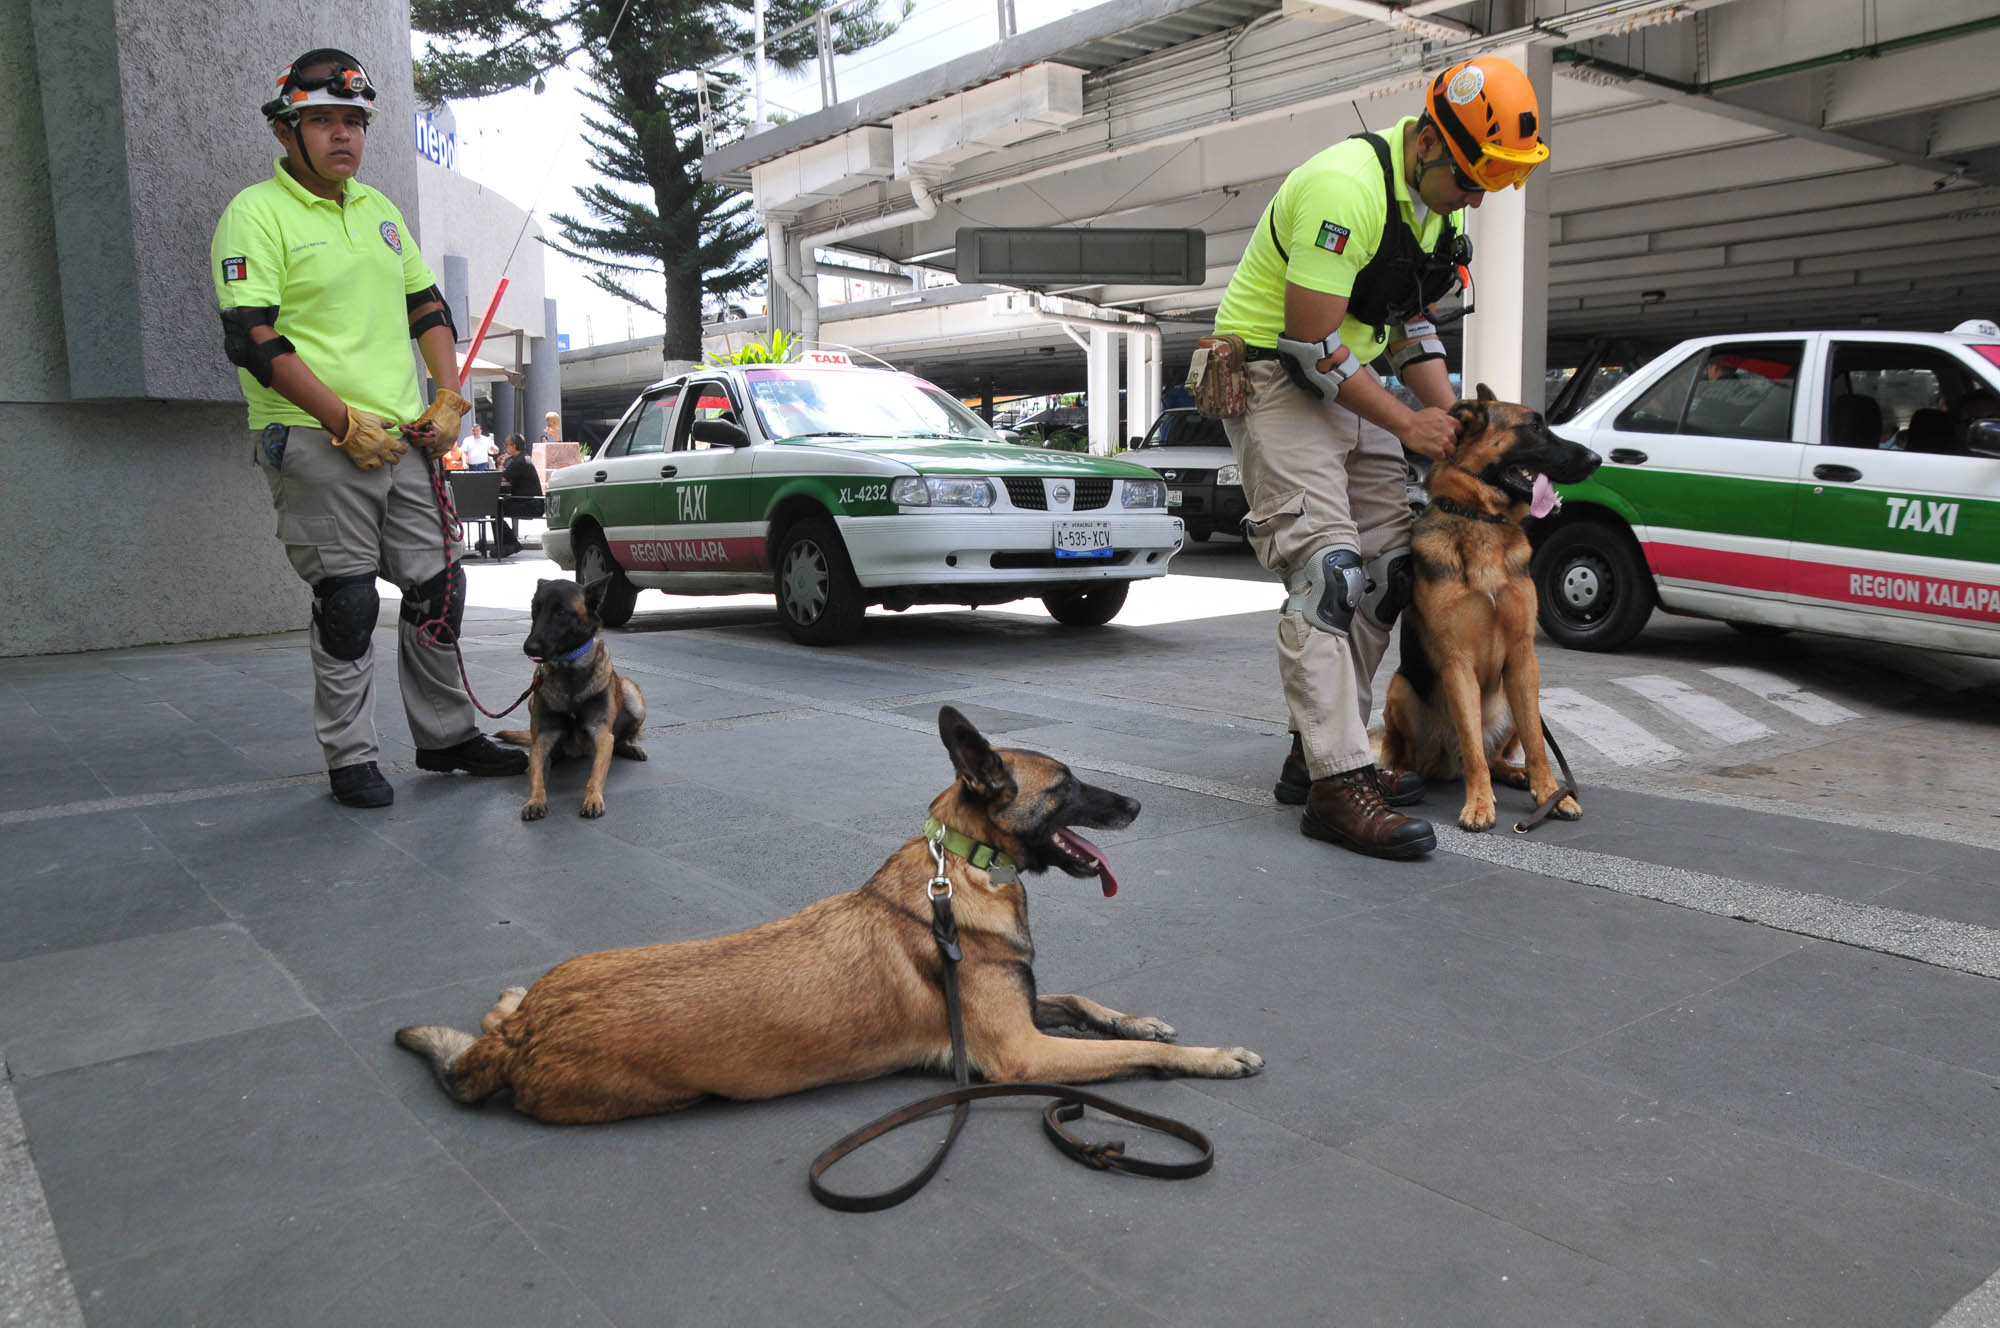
[1145, 493]
[1229, 474]
[940, 491]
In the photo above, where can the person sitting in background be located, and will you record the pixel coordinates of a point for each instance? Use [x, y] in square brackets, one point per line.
[1978, 404]
[518, 480]
[454, 457]
[552, 428]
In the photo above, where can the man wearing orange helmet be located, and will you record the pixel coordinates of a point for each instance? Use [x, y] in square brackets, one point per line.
[1346, 263]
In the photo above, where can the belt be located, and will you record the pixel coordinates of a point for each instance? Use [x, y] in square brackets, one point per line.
[1261, 353]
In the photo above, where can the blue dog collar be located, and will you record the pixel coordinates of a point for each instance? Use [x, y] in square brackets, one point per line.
[577, 653]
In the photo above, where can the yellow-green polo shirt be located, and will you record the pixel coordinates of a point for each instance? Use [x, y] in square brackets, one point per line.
[339, 273]
[1330, 212]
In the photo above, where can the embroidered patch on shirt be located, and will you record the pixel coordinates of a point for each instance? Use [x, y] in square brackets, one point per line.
[235, 269]
[1332, 238]
[390, 237]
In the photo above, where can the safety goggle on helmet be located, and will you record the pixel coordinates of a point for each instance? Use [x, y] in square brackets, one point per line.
[339, 80]
[1491, 123]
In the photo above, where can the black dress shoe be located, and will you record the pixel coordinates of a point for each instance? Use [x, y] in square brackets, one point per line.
[477, 755]
[1400, 788]
[360, 786]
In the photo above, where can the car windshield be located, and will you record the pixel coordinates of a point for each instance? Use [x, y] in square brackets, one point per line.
[1187, 430]
[808, 403]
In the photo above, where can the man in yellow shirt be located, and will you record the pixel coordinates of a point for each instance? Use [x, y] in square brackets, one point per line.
[1360, 241]
[322, 289]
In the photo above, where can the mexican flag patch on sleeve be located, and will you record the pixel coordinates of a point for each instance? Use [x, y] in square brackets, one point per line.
[1332, 238]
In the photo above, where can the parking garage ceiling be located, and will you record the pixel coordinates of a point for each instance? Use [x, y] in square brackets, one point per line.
[1718, 164]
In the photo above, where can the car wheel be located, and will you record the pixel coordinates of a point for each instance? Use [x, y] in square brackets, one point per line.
[1757, 631]
[594, 564]
[1087, 606]
[819, 600]
[1594, 588]
[1197, 536]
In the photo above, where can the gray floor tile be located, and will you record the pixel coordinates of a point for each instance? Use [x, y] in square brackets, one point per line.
[1904, 1116]
[63, 844]
[96, 905]
[1052, 1295]
[369, 1258]
[1734, 1220]
[281, 1119]
[48, 782]
[79, 1007]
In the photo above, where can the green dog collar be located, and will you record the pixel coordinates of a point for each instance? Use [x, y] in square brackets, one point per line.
[983, 856]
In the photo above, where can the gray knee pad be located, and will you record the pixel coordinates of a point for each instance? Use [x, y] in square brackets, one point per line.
[344, 610]
[442, 595]
[1390, 577]
[1329, 588]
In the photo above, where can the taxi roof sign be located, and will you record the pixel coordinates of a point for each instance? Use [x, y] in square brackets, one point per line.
[826, 357]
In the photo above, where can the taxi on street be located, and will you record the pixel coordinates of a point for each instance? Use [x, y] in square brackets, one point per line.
[836, 486]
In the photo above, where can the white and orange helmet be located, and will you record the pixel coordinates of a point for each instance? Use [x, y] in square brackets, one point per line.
[337, 80]
[1491, 123]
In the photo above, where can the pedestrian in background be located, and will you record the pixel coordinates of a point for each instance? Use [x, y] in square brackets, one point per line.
[478, 449]
[319, 281]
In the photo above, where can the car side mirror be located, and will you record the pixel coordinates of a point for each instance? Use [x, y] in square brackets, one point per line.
[1134, 443]
[1982, 438]
[718, 433]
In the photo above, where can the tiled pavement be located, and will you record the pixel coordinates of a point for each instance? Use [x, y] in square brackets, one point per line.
[1494, 1096]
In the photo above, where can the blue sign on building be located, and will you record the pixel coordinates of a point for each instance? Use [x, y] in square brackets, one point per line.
[437, 141]
[562, 341]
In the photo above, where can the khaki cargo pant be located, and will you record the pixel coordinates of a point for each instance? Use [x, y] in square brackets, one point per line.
[336, 519]
[1318, 477]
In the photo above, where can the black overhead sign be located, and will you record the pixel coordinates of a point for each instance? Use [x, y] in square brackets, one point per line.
[1055, 256]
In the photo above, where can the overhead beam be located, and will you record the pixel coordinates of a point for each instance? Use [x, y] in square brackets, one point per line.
[1401, 18]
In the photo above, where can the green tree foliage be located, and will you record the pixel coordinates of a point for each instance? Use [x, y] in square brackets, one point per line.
[652, 223]
[781, 347]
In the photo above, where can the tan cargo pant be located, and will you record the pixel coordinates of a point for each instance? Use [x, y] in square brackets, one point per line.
[1319, 477]
[338, 520]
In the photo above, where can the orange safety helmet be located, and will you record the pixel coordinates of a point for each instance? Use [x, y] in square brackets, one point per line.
[1487, 113]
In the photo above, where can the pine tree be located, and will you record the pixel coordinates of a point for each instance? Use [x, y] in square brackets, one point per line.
[656, 218]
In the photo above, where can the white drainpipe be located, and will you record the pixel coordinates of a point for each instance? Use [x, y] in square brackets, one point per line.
[923, 206]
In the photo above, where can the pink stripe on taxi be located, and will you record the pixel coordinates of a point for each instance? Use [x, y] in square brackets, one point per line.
[1915, 593]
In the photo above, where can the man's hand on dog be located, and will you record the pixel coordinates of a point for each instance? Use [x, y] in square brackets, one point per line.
[1431, 432]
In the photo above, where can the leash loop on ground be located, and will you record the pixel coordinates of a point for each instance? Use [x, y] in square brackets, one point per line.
[1068, 1106]
[1566, 789]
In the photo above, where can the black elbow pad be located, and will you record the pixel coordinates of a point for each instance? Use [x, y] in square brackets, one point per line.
[438, 317]
[245, 351]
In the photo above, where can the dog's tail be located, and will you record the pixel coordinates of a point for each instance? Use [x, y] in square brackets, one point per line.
[469, 1069]
[519, 737]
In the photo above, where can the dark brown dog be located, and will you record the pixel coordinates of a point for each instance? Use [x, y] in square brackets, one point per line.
[848, 988]
[1468, 680]
[579, 707]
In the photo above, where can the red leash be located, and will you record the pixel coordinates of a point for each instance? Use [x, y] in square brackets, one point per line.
[436, 630]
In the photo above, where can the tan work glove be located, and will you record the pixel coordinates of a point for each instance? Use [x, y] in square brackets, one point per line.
[370, 441]
[437, 428]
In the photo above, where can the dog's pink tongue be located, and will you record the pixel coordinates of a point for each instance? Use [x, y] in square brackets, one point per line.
[1544, 501]
[1083, 848]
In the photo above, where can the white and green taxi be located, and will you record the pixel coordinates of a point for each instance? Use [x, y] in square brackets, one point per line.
[837, 487]
[1839, 482]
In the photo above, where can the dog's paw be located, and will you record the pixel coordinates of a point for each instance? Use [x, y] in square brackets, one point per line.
[534, 811]
[1144, 1028]
[592, 809]
[1568, 810]
[1513, 776]
[1479, 814]
[634, 753]
[1236, 1063]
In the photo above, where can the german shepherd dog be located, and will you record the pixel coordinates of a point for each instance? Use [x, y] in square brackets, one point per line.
[579, 706]
[1468, 680]
[848, 988]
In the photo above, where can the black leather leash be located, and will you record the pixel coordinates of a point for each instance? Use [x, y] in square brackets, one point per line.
[1566, 789]
[1068, 1106]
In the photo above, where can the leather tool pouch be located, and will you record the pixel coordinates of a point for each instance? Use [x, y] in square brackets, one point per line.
[1217, 378]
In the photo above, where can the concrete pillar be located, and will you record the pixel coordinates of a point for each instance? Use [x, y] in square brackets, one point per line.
[455, 275]
[544, 385]
[505, 405]
[1142, 385]
[1507, 338]
[1102, 389]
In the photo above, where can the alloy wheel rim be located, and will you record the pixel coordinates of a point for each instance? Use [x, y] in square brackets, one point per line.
[805, 582]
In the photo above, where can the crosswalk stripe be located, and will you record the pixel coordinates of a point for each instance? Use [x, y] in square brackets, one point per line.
[1786, 695]
[1604, 728]
[1700, 709]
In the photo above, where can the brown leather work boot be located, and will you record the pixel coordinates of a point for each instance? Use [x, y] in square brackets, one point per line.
[1348, 809]
[1399, 788]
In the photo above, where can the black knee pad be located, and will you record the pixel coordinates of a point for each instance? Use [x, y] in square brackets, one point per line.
[442, 595]
[344, 610]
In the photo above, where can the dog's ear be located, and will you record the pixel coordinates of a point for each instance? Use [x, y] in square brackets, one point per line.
[541, 582]
[979, 766]
[1471, 417]
[593, 594]
[1485, 393]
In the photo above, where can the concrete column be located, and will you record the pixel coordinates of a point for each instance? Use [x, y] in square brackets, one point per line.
[1102, 389]
[456, 275]
[505, 405]
[544, 385]
[1507, 338]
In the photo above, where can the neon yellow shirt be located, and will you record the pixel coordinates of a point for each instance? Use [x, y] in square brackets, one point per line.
[1330, 213]
[339, 273]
